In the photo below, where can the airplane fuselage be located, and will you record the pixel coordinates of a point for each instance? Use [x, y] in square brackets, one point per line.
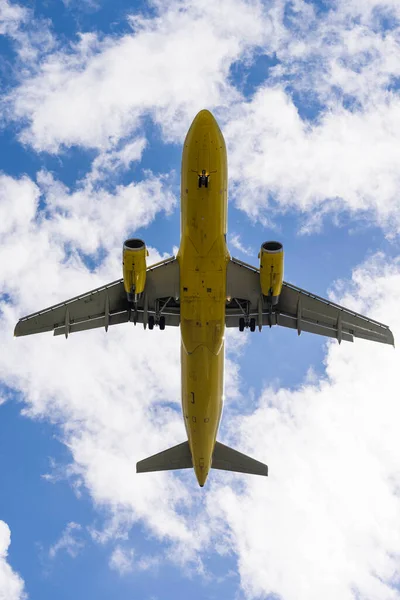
[203, 257]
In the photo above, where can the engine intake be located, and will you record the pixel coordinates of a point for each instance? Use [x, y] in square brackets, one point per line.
[134, 254]
[271, 270]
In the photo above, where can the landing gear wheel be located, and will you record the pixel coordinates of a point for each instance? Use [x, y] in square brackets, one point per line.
[241, 324]
[151, 322]
[162, 323]
[252, 324]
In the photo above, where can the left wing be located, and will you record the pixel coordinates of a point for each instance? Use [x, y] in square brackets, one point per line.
[108, 305]
[296, 309]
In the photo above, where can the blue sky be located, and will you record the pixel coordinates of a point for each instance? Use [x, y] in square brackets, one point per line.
[96, 98]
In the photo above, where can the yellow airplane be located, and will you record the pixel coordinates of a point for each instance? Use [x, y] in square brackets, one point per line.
[203, 290]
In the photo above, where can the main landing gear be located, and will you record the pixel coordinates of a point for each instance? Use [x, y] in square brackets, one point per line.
[161, 322]
[155, 318]
[158, 318]
[245, 322]
[251, 324]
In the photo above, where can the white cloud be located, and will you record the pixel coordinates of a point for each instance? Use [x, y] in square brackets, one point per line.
[92, 217]
[345, 156]
[112, 161]
[346, 53]
[11, 584]
[96, 92]
[345, 161]
[11, 16]
[31, 37]
[23, 191]
[235, 241]
[89, 219]
[326, 521]
[124, 561]
[68, 541]
[121, 560]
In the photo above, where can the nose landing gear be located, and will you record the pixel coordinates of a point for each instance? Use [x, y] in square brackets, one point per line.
[203, 179]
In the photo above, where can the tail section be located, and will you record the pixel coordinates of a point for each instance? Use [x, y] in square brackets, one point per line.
[177, 457]
[224, 458]
[227, 459]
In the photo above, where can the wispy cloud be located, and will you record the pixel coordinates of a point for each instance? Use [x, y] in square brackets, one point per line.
[235, 241]
[68, 542]
[122, 560]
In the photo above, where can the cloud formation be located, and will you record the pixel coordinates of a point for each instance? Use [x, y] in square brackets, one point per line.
[68, 542]
[11, 584]
[345, 161]
[97, 91]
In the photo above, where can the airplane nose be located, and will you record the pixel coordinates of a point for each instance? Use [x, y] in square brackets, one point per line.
[204, 117]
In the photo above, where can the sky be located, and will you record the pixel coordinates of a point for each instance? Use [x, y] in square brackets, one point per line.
[95, 100]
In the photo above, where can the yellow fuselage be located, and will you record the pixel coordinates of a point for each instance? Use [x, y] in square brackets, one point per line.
[203, 257]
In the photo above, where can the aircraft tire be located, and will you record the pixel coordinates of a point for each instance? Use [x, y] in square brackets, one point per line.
[252, 324]
[241, 324]
[151, 322]
[162, 323]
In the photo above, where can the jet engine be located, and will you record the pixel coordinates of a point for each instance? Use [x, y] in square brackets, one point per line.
[271, 270]
[134, 268]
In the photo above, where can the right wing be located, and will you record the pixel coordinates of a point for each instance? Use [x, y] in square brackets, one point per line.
[296, 309]
[108, 305]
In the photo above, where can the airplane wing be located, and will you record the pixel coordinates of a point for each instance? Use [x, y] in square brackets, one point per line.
[296, 309]
[108, 305]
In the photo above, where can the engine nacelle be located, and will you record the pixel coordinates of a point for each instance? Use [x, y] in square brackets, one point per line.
[134, 268]
[271, 270]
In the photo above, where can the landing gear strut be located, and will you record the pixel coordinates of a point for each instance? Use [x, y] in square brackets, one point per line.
[158, 318]
[245, 321]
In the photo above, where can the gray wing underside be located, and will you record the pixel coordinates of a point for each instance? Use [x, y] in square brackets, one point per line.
[296, 309]
[108, 305]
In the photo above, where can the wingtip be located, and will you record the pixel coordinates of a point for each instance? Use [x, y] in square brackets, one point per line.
[392, 339]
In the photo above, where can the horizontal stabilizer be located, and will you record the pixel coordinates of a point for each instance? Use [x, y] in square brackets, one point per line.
[227, 459]
[177, 457]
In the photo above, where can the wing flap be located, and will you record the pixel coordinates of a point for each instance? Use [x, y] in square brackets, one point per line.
[308, 325]
[93, 323]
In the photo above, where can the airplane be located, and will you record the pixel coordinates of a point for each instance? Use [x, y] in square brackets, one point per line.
[203, 290]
